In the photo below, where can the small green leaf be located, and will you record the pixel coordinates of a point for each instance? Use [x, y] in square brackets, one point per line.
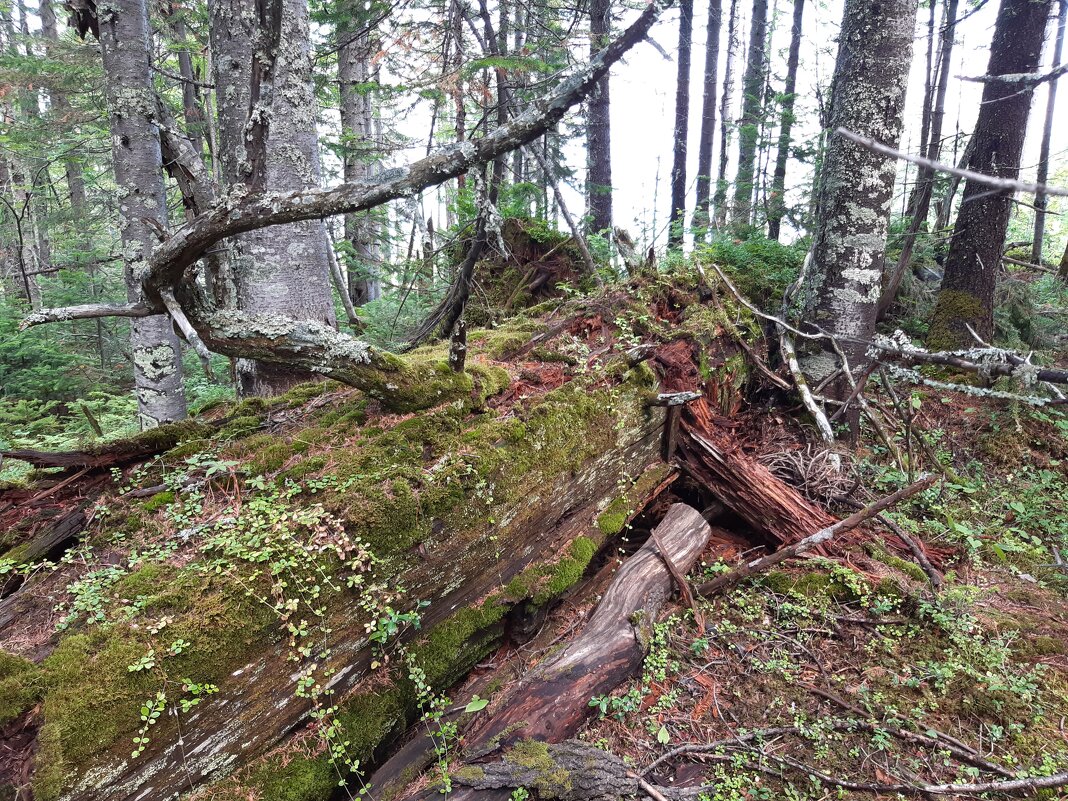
[477, 704]
[662, 736]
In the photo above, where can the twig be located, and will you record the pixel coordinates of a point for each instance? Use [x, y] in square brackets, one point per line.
[190, 334]
[1003, 184]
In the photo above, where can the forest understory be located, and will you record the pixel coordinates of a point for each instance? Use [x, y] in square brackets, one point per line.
[312, 597]
[357, 443]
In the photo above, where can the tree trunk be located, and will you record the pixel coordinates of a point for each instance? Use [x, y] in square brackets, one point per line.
[945, 205]
[701, 213]
[921, 202]
[777, 205]
[752, 112]
[357, 46]
[677, 218]
[841, 285]
[967, 294]
[268, 141]
[135, 147]
[1041, 200]
[599, 128]
[61, 106]
[719, 201]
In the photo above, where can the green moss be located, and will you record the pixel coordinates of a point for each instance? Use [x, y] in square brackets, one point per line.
[468, 774]
[19, 686]
[551, 780]
[567, 572]
[955, 309]
[238, 427]
[459, 642]
[92, 700]
[614, 519]
[910, 569]
[158, 501]
[367, 721]
[302, 393]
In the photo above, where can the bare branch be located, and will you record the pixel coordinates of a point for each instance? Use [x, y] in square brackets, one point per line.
[238, 215]
[1003, 184]
[1024, 80]
[87, 311]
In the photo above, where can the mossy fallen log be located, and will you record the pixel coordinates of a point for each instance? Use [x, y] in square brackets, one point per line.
[254, 627]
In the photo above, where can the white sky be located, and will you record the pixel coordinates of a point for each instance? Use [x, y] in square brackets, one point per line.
[643, 102]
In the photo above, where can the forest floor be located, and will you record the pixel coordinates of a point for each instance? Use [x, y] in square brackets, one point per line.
[838, 675]
[819, 667]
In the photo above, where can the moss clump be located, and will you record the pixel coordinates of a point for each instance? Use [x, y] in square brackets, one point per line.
[468, 774]
[302, 393]
[551, 780]
[459, 642]
[158, 501]
[953, 312]
[238, 427]
[19, 686]
[613, 520]
[567, 572]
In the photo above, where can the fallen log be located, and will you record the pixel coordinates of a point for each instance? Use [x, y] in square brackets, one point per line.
[116, 454]
[552, 701]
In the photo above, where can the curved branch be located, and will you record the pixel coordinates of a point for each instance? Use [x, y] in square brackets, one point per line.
[234, 216]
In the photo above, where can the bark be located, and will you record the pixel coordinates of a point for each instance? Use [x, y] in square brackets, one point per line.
[72, 169]
[752, 112]
[358, 147]
[268, 140]
[677, 217]
[967, 294]
[599, 127]
[719, 201]
[708, 119]
[841, 284]
[715, 459]
[921, 204]
[1041, 200]
[135, 147]
[777, 202]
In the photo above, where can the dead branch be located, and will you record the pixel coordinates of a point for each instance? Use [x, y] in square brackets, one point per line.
[727, 580]
[85, 311]
[315, 346]
[1002, 184]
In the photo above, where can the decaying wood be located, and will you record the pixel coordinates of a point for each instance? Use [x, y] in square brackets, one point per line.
[775, 509]
[725, 581]
[552, 701]
[256, 707]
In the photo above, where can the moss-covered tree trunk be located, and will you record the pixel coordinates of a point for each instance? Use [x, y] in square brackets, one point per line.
[967, 294]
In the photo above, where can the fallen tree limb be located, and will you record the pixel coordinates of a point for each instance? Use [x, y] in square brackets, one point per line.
[749, 489]
[727, 580]
[553, 700]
